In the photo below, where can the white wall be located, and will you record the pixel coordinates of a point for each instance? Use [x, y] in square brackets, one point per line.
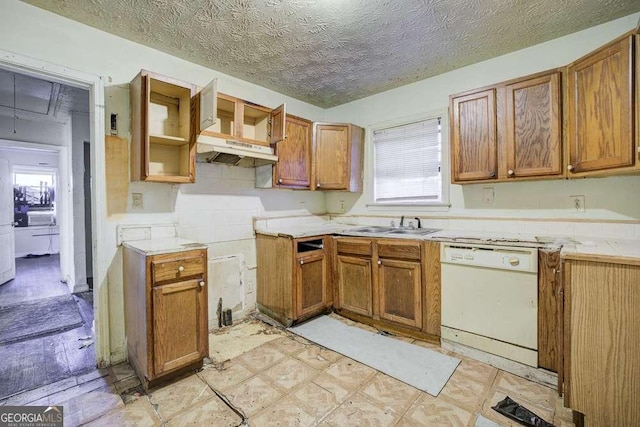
[33, 32]
[608, 198]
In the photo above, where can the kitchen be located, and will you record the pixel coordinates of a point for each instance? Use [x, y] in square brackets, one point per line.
[226, 198]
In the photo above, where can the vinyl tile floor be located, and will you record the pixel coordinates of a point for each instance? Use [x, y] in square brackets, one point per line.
[36, 278]
[287, 381]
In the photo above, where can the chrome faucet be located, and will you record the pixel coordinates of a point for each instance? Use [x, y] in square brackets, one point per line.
[402, 221]
[419, 224]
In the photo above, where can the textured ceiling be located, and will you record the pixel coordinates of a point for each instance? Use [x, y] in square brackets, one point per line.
[328, 52]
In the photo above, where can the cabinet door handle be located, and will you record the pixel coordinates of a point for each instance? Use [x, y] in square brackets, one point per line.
[570, 168]
[510, 172]
[280, 181]
[181, 269]
[317, 185]
[202, 283]
[379, 262]
[301, 261]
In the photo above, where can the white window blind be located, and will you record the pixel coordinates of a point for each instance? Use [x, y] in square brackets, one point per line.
[408, 163]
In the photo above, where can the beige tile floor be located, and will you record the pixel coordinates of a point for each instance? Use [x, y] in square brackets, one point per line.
[287, 381]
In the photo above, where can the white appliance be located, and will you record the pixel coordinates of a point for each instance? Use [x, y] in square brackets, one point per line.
[490, 299]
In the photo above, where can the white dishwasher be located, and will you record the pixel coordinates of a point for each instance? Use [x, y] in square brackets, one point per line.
[490, 299]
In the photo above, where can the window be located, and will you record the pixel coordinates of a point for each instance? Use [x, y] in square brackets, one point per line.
[408, 163]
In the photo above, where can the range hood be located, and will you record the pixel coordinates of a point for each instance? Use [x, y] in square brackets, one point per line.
[218, 150]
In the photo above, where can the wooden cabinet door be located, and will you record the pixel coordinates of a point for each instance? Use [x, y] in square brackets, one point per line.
[473, 136]
[311, 284]
[332, 155]
[277, 124]
[534, 130]
[293, 168]
[179, 319]
[354, 287]
[548, 290]
[399, 288]
[601, 109]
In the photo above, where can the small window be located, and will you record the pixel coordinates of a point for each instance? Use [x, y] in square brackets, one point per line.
[408, 163]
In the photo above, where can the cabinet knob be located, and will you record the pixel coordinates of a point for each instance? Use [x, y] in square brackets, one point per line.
[379, 262]
[510, 172]
[317, 185]
[202, 283]
[181, 268]
[570, 168]
[301, 261]
[280, 181]
[493, 175]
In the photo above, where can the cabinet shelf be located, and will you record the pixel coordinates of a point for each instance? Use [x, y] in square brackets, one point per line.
[167, 140]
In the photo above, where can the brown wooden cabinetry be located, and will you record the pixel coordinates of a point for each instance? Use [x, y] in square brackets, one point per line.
[533, 129]
[474, 143]
[601, 115]
[294, 277]
[165, 300]
[163, 129]
[293, 168]
[245, 121]
[548, 321]
[508, 131]
[338, 153]
[602, 340]
[389, 283]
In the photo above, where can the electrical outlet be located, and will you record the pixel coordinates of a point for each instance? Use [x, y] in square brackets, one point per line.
[577, 204]
[488, 195]
[136, 201]
[341, 207]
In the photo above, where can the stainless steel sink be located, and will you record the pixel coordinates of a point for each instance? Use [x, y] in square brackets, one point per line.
[414, 231]
[373, 229]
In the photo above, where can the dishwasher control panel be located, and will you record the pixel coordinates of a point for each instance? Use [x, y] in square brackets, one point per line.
[499, 257]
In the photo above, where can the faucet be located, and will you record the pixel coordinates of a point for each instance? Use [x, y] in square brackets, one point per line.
[402, 221]
[419, 224]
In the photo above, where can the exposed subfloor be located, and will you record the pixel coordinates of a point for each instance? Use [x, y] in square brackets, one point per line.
[49, 359]
[265, 376]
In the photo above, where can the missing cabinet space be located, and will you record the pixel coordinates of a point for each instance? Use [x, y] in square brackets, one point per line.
[310, 245]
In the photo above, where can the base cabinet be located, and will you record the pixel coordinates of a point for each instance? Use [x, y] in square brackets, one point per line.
[400, 289]
[601, 341]
[294, 277]
[165, 312]
[393, 284]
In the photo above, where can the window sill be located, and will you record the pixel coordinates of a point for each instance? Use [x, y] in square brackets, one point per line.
[431, 207]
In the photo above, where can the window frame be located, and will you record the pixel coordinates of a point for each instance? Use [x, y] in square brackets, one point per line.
[442, 205]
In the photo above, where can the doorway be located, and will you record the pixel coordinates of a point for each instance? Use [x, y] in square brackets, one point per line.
[46, 310]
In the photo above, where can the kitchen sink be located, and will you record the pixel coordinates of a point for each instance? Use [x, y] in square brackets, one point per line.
[414, 231]
[373, 229]
[394, 230]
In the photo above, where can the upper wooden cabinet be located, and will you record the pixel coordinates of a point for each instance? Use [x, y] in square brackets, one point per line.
[293, 168]
[533, 133]
[338, 154]
[509, 131]
[245, 121]
[163, 117]
[601, 115]
[473, 136]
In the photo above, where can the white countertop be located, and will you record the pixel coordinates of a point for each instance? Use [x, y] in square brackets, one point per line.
[606, 250]
[163, 246]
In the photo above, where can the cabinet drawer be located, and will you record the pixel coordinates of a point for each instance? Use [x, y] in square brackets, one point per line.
[395, 250]
[165, 269]
[354, 247]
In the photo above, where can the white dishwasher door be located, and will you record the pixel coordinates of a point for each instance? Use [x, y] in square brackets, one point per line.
[491, 308]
